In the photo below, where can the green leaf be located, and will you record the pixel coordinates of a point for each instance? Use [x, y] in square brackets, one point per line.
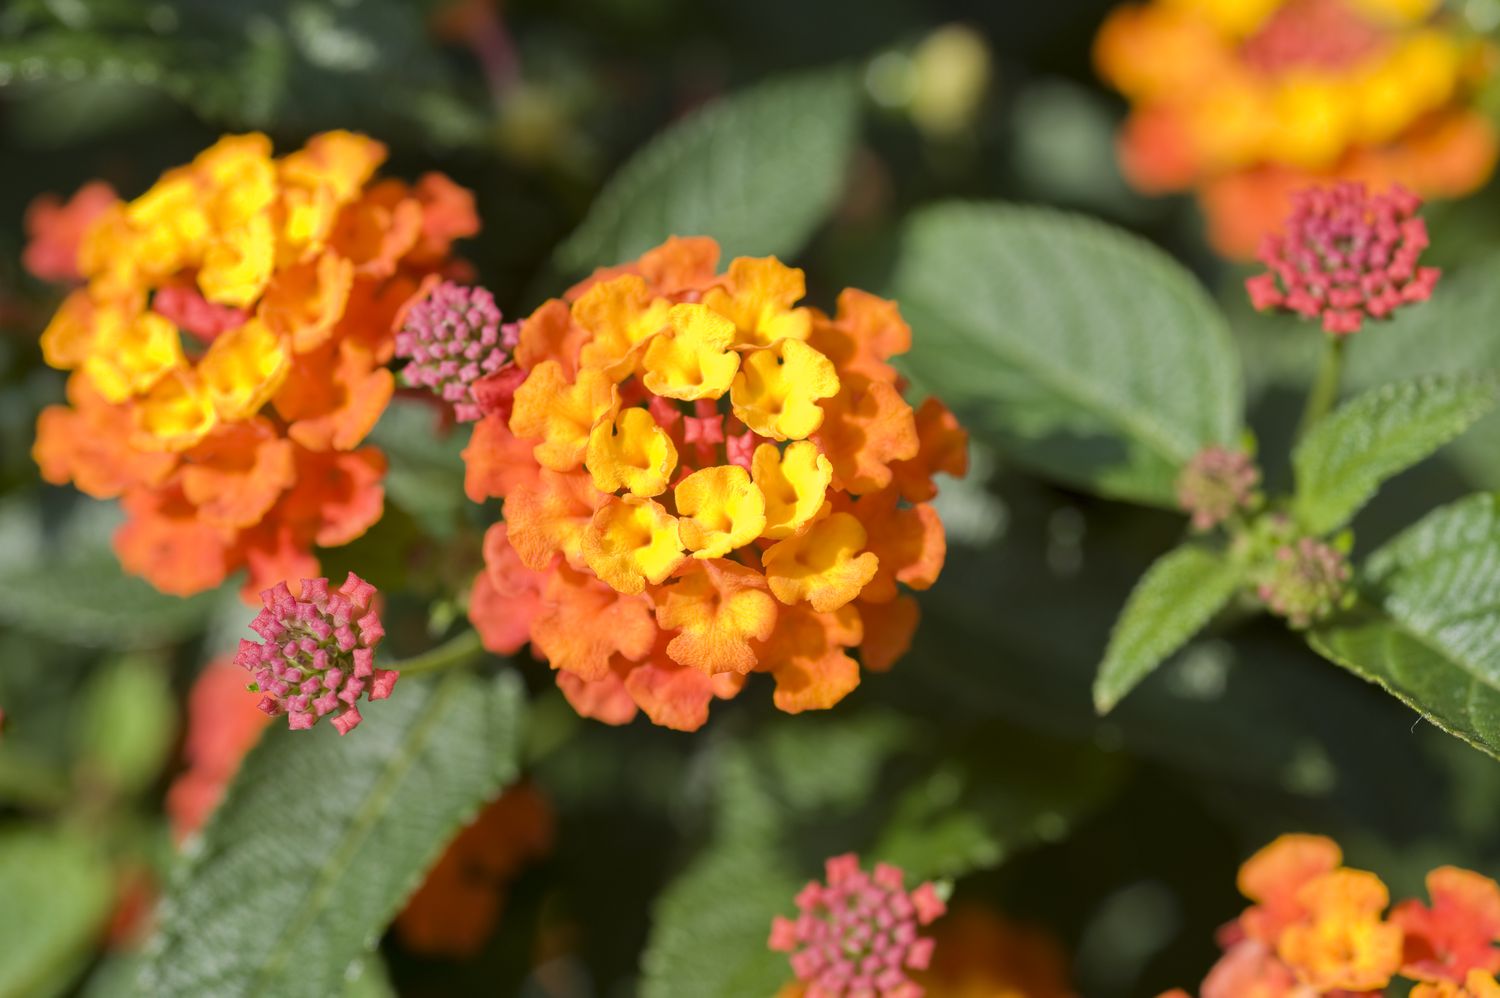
[321, 838]
[968, 814]
[759, 171]
[127, 724]
[1342, 462]
[1075, 348]
[87, 600]
[57, 893]
[1176, 597]
[1432, 637]
[426, 476]
[709, 928]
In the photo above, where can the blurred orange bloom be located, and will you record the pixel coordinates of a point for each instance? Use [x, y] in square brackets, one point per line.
[704, 479]
[222, 725]
[1246, 102]
[228, 350]
[458, 905]
[980, 954]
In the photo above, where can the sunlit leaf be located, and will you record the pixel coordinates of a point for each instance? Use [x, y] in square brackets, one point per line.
[1077, 349]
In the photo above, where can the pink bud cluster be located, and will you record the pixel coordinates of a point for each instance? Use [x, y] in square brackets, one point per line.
[1345, 255]
[1306, 581]
[450, 340]
[319, 653]
[857, 934]
[1216, 484]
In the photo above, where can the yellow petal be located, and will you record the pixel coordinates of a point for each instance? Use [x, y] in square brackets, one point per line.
[777, 390]
[721, 510]
[823, 566]
[758, 300]
[794, 484]
[238, 265]
[621, 314]
[128, 358]
[630, 542]
[243, 369]
[630, 451]
[693, 359]
[175, 414]
[561, 414]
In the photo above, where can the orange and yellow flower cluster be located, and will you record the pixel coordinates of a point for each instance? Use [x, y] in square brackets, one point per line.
[228, 350]
[1245, 101]
[1318, 927]
[703, 479]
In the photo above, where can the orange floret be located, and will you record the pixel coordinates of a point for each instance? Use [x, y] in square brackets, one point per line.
[719, 608]
[1342, 941]
[680, 465]
[1458, 933]
[1274, 878]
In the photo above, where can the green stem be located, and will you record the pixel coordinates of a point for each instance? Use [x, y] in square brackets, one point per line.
[1325, 390]
[455, 652]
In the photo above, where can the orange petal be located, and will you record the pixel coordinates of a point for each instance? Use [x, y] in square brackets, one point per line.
[805, 655]
[306, 301]
[889, 629]
[867, 332]
[448, 214]
[507, 596]
[677, 266]
[550, 333]
[333, 397]
[942, 446]
[55, 229]
[718, 607]
[672, 695]
[496, 461]
[238, 472]
[376, 231]
[164, 541]
[559, 413]
[909, 541]
[275, 551]
[337, 496]
[866, 428]
[548, 517]
[585, 623]
[604, 700]
[90, 444]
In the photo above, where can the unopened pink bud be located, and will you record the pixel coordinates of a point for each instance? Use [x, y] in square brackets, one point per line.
[313, 662]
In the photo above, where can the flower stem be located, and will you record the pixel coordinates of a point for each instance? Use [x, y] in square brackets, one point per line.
[1325, 390]
[454, 653]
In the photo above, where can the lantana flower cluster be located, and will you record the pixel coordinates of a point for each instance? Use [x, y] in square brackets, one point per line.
[859, 933]
[1248, 102]
[1317, 927]
[228, 348]
[703, 479]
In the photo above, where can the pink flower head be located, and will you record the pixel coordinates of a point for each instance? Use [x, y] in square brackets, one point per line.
[1306, 581]
[856, 934]
[1216, 484]
[319, 653]
[451, 339]
[1345, 255]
